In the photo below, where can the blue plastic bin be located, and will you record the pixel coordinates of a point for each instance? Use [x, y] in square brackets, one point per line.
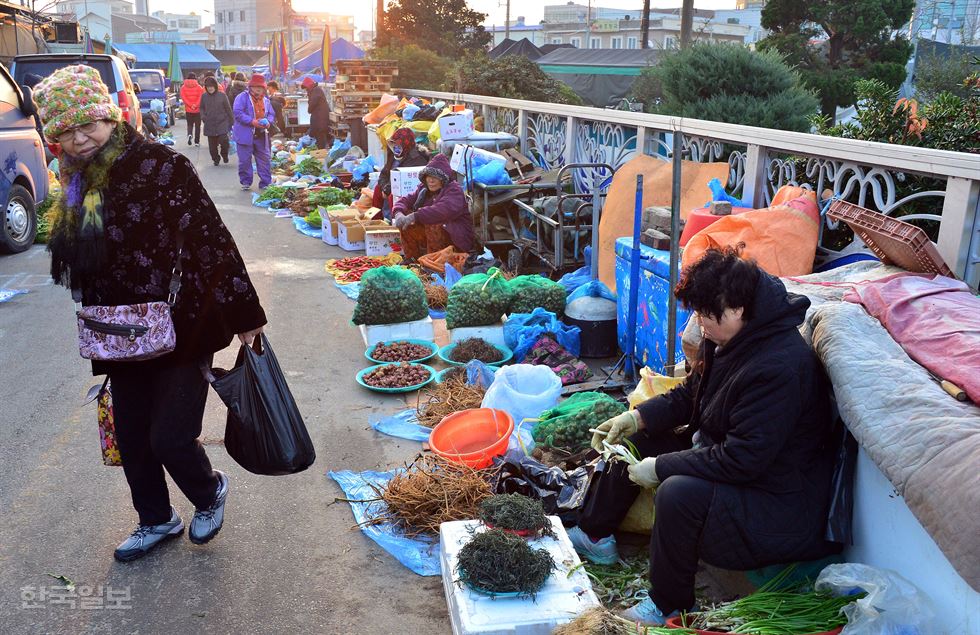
[651, 310]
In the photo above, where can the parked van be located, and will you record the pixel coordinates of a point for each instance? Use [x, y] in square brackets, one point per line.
[153, 85]
[113, 71]
[23, 172]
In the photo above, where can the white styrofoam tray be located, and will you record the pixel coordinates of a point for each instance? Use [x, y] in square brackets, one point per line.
[492, 334]
[416, 330]
[559, 601]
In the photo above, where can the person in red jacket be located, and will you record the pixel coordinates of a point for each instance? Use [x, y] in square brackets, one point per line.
[190, 94]
[436, 214]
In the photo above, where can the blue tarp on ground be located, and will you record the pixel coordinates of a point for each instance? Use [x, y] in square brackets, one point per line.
[193, 57]
[340, 49]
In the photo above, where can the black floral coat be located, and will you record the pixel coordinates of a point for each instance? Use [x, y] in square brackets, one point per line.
[154, 191]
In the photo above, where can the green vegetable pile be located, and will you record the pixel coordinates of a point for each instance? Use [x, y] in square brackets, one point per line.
[567, 425]
[478, 299]
[775, 611]
[515, 512]
[272, 193]
[529, 292]
[328, 196]
[390, 295]
[313, 219]
[498, 562]
[311, 166]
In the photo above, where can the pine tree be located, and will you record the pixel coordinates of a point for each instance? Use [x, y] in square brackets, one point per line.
[447, 27]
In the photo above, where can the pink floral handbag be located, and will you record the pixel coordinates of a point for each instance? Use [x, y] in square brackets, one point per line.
[130, 332]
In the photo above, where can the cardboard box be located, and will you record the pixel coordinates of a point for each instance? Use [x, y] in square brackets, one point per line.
[331, 221]
[463, 153]
[404, 181]
[351, 234]
[518, 165]
[457, 125]
[381, 241]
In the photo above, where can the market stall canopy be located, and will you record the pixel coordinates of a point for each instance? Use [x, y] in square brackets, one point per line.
[340, 49]
[192, 56]
[601, 77]
[523, 47]
[240, 58]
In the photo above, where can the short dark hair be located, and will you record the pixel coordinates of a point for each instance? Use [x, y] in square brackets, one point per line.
[721, 279]
[273, 84]
[191, 76]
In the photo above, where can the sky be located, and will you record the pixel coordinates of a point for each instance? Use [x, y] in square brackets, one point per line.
[532, 10]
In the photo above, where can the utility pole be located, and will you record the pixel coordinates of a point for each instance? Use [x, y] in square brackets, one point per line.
[507, 21]
[379, 23]
[687, 20]
[645, 25]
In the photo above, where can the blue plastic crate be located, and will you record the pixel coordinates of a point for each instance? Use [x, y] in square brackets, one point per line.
[651, 310]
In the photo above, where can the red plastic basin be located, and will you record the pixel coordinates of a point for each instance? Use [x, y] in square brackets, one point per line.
[472, 437]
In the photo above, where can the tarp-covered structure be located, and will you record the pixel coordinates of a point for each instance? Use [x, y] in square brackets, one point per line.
[601, 77]
[523, 47]
[235, 57]
[340, 49]
[193, 57]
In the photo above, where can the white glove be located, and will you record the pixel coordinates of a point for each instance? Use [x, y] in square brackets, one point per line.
[616, 429]
[644, 473]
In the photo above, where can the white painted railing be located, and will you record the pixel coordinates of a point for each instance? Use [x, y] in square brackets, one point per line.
[760, 161]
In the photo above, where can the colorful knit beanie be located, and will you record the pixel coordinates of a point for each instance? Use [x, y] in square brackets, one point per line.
[73, 96]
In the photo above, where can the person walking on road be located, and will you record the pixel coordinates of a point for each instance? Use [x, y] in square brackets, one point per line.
[319, 111]
[190, 94]
[133, 219]
[218, 118]
[236, 86]
[278, 104]
[253, 113]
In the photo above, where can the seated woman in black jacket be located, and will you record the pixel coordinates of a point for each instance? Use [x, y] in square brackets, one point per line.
[740, 453]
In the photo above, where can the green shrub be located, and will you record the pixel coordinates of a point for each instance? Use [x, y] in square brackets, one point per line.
[417, 67]
[510, 76]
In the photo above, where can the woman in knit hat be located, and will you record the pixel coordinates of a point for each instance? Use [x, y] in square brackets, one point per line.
[436, 214]
[253, 119]
[124, 205]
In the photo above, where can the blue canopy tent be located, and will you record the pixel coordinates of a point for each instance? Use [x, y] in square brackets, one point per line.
[340, 49]
[193, 58]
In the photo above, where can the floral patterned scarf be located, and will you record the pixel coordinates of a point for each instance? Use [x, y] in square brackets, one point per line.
[77, 240]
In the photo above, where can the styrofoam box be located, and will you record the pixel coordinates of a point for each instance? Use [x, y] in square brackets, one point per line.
[493, 334]
[405, 181]
[560, 600]
[457, 125]
[417, 330]
[380, 242]
[463, 153]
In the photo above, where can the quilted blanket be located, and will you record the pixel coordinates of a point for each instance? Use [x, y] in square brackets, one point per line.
[923, 440]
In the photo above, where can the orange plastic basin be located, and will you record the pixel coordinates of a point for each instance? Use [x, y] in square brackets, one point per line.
[702, 217]
[472, 437]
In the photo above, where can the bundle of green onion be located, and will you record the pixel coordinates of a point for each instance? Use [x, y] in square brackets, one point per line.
[773, 610]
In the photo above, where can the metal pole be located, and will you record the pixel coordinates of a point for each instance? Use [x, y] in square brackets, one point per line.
[507, 21]
[594, 261]
[630, 352]
[675, 221]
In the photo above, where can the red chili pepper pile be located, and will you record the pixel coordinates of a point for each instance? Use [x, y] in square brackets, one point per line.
[354, 267]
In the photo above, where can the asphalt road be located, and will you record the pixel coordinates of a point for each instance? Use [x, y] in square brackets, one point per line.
[287, 559]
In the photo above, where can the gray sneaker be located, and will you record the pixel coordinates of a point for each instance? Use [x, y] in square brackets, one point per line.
[147, 537]
[207, 522]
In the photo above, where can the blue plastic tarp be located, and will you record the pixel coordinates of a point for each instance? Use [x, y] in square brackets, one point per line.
[418, 554]
[352, 290]
[6, 294]
[306, 229]
[192, 56]
[403, 425]
[340, 49]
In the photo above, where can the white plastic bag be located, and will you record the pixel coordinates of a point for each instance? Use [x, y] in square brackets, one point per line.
[892, 606]
[523, 391]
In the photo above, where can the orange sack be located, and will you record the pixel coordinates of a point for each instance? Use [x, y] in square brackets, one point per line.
[387, 106]
[782, 238]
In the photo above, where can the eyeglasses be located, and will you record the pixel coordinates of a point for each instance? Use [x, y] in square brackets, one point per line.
[87, 129]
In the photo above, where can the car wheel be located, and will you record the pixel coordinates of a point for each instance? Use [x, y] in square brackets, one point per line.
[19, 221]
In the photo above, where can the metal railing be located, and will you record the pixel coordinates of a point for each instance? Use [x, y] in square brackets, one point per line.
[760, 161]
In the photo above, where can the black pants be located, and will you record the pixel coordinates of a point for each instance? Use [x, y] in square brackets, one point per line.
[218, 142]
[158, 410]
[322, 139]
[194, 125]
[681, 504]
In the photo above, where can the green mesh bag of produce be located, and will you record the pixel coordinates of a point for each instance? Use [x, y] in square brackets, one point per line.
[567, 424]
[390, 295]
[530, 292]
[478, 299]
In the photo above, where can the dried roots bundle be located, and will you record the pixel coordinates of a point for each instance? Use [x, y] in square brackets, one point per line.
[430, 492]
[446, 398]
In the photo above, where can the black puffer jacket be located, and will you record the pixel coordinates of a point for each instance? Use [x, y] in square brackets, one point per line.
[762, 408]
[216, 114]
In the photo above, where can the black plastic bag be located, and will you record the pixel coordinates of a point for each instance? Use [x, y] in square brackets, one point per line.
[561, 493]
[839, 523]
[264, 433]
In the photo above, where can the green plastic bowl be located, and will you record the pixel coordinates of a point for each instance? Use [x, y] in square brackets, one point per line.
[446, 351]
[431, 345]
[359, 378]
